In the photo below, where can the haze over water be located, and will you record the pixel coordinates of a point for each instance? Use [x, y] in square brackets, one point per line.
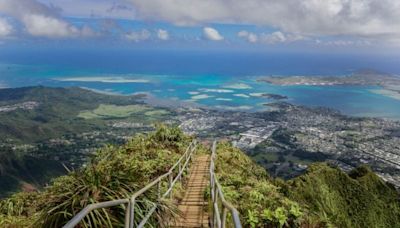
[223, 80]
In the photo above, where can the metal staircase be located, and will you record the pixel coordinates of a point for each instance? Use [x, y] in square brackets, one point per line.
[199, 179]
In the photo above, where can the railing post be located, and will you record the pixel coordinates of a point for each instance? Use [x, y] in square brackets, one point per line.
[224, 214]
[215, 216]
[180, 170]
[127, 215]
[215, 203]
[159, 190]
[170, 179]
[132, 213]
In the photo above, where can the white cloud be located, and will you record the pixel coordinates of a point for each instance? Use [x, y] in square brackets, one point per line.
[249, 36]
[343, 43]
[5, 27]
[138, 36]
[163, 34]
[307, 17]
[115, 9]
[275, 37]
[269, 38]
[280, 37]
[40, 19]
[41, 25]
[212, 34]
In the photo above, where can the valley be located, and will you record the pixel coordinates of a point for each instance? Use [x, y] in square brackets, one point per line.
[284, 140]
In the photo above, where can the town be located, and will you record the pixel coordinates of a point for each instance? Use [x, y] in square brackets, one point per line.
[285, 140]
[292, 131]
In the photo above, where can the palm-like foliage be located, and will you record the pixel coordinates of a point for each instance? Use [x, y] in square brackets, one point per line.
[256, 196]
[114, 173]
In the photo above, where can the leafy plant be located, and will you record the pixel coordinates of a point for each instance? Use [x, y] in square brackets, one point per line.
[113, 173]
[260, 202]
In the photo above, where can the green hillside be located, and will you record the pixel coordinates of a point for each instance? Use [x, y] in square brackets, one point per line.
[113, 173]
[360, 199]
[25, 172]
[62, 127]
[322, 197]
[57, 112]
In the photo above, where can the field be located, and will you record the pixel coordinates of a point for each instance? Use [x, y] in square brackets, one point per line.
[105, 111]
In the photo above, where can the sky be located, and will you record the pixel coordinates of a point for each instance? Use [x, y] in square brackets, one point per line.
[349, 26]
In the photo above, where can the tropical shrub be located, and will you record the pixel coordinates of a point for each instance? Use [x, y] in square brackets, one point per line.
[247, 185]
[112, 173]
[324, 196]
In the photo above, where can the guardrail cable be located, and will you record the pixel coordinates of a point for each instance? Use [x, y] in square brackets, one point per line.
[180, 167]
[218, 200]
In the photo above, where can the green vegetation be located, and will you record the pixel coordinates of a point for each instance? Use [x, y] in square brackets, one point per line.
[256, 196]
[113, 173]
[360, 199]
[280, 156]
[113, 111]
[27, 155]
[25, 172]
[323, 197]
[63, 111]
[56, 115]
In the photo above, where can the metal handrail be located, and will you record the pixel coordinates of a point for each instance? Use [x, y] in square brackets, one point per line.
[182, 165]
[217, 197]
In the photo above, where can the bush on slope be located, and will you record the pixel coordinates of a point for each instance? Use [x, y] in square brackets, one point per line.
[357, 199]
[323, 197]
[113, 173]
[248, 187]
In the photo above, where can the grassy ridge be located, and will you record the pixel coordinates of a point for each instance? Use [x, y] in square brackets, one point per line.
[113, 173]
[360, 199]
[323, 197]
[247, 185]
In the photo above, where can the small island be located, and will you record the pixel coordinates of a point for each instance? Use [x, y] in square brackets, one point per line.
[389, 83]
[274, 96]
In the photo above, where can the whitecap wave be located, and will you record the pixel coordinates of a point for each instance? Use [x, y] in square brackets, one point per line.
[238, 86]
[206, 90]
[103, 79]
[201, 96]
[241, 95]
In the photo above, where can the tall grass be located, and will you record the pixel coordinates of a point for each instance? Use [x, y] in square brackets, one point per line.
[247, 185]
[113, 173]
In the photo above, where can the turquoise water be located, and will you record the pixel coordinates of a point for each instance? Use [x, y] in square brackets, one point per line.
[239, 92]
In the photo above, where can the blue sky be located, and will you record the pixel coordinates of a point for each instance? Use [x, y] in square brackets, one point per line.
[348, 26]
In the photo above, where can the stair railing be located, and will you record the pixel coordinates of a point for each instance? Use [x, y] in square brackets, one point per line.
[218, 199]
[181, 166]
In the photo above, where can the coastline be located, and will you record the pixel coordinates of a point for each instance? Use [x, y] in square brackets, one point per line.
[387, 93]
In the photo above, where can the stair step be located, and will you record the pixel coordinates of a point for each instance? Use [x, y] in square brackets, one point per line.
[193, 206]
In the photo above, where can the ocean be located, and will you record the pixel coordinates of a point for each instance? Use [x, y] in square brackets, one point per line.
[222, 80]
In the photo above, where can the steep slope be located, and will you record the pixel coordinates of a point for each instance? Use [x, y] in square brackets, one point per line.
[258, 198]
[113, 173]
[357, 199]
[25, 172]
[322, 197]
[42, 128]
